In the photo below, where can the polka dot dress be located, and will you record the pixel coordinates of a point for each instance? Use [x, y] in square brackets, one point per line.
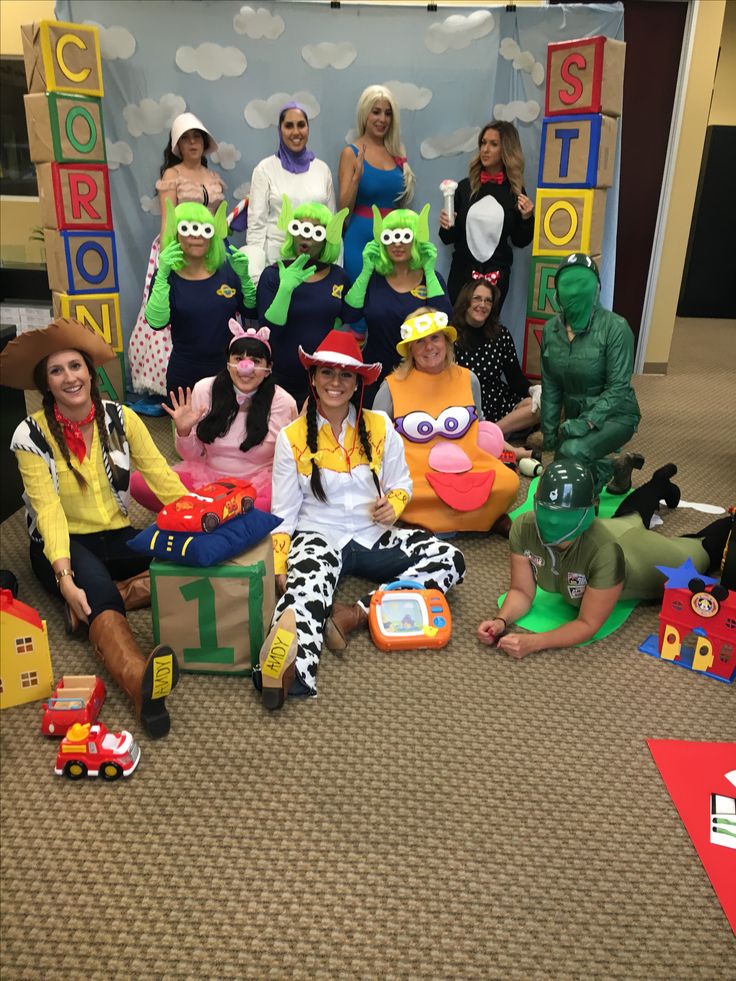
[490, 361]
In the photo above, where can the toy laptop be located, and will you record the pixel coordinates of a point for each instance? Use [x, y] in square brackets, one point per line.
[406, 617]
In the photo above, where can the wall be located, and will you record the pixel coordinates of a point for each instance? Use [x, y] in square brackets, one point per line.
[723, 107]
[19, 215]
[677, 221]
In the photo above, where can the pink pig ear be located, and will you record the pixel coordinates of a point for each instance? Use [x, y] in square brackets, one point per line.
[490, 438]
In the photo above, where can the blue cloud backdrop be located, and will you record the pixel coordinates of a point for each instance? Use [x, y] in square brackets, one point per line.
[451, 69]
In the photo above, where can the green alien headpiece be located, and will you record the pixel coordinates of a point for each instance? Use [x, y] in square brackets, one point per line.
[311, 220]
[194, 219]
[401, 225]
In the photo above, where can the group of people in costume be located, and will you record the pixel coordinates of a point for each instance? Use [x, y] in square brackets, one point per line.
[373, 458]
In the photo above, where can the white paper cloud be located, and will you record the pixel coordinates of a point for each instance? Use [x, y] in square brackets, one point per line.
[527, 112]
[115, 42]
[226, 155]
[451, 144]
[149, 116]
[522, 60]
[258, 24]
[117, 154]
[242, 191]
[151, 205]
[211, 61]
[458, 31]
[261, 113]
[408, 95]
[329, 54]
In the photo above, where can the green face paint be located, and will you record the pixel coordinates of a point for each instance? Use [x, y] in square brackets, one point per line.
[558, 525]
[577, 295]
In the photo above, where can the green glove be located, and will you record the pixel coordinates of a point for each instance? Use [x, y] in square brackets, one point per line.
[356, 294]
[572, 428]
[158, 310]
[428, 258]
[239, 263]
[290, 277]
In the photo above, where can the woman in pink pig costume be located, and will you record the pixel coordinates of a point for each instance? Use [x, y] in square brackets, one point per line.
[226, 426]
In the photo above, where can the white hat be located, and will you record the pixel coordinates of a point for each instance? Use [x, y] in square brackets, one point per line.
[183, 123]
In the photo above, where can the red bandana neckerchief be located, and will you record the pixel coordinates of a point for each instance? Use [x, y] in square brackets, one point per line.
[498, 178]
[72, 431]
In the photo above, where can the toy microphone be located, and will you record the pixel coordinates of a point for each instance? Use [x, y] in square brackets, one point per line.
[448, 189]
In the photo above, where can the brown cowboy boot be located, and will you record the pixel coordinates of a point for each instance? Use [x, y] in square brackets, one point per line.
[145, 680]
[136, 591]
[277, 661]
[345, 619]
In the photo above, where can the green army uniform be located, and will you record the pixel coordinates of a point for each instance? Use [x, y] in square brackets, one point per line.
[590, 379]
[612, 550]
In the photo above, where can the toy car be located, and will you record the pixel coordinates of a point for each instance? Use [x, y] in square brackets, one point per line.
[91, 751]
[208, 506]
[76, 698]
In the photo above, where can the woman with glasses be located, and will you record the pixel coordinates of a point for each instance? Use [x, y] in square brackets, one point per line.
[227, 425]
[487, 348]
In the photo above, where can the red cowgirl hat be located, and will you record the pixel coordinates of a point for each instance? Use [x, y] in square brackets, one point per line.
[340, 350]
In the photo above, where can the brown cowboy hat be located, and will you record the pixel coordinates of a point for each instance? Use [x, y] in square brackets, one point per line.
[20, 357]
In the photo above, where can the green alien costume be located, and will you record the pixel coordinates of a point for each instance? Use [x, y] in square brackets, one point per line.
[589, 377]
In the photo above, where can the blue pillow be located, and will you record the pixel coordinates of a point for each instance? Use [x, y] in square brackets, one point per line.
[201, 548]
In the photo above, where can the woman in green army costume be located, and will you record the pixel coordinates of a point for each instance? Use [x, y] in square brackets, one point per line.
[591, 562]
[587, 360]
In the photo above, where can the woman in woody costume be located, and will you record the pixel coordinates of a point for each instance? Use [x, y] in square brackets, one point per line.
[340, 482]
[75, 456]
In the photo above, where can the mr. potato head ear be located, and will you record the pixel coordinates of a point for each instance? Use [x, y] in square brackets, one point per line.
[220, 221]
[422, 232]
[334, 227]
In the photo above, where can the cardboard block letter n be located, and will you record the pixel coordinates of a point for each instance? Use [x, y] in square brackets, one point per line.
[585, 75]
[100, 311]
[64, 128]
[62, 57]
[568, 220]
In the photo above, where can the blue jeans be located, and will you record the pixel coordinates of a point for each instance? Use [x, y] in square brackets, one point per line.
[379, 565]
[98, 560]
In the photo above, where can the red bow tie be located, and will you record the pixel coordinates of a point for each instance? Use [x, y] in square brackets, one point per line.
[498, 178]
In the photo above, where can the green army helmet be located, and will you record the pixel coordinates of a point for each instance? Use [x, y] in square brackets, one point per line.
[578, 260]
[564, 502]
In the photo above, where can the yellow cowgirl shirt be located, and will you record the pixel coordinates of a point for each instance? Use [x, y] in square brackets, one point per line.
[55, 503]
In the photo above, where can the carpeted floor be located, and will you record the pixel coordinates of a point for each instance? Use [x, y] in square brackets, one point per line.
[429, 816]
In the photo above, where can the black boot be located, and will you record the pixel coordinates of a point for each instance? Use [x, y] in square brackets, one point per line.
[620, 483]
[645, 499]
[715, 540]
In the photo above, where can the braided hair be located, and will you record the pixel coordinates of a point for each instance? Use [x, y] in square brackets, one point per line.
[41, 382]
[315, 481]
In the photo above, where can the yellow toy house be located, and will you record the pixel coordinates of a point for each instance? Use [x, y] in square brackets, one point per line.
[25, 660]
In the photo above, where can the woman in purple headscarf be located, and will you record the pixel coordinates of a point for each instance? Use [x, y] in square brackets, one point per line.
[293, 170]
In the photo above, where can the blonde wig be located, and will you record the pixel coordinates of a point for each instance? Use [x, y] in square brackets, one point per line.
[392, 139]
[406, 365]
